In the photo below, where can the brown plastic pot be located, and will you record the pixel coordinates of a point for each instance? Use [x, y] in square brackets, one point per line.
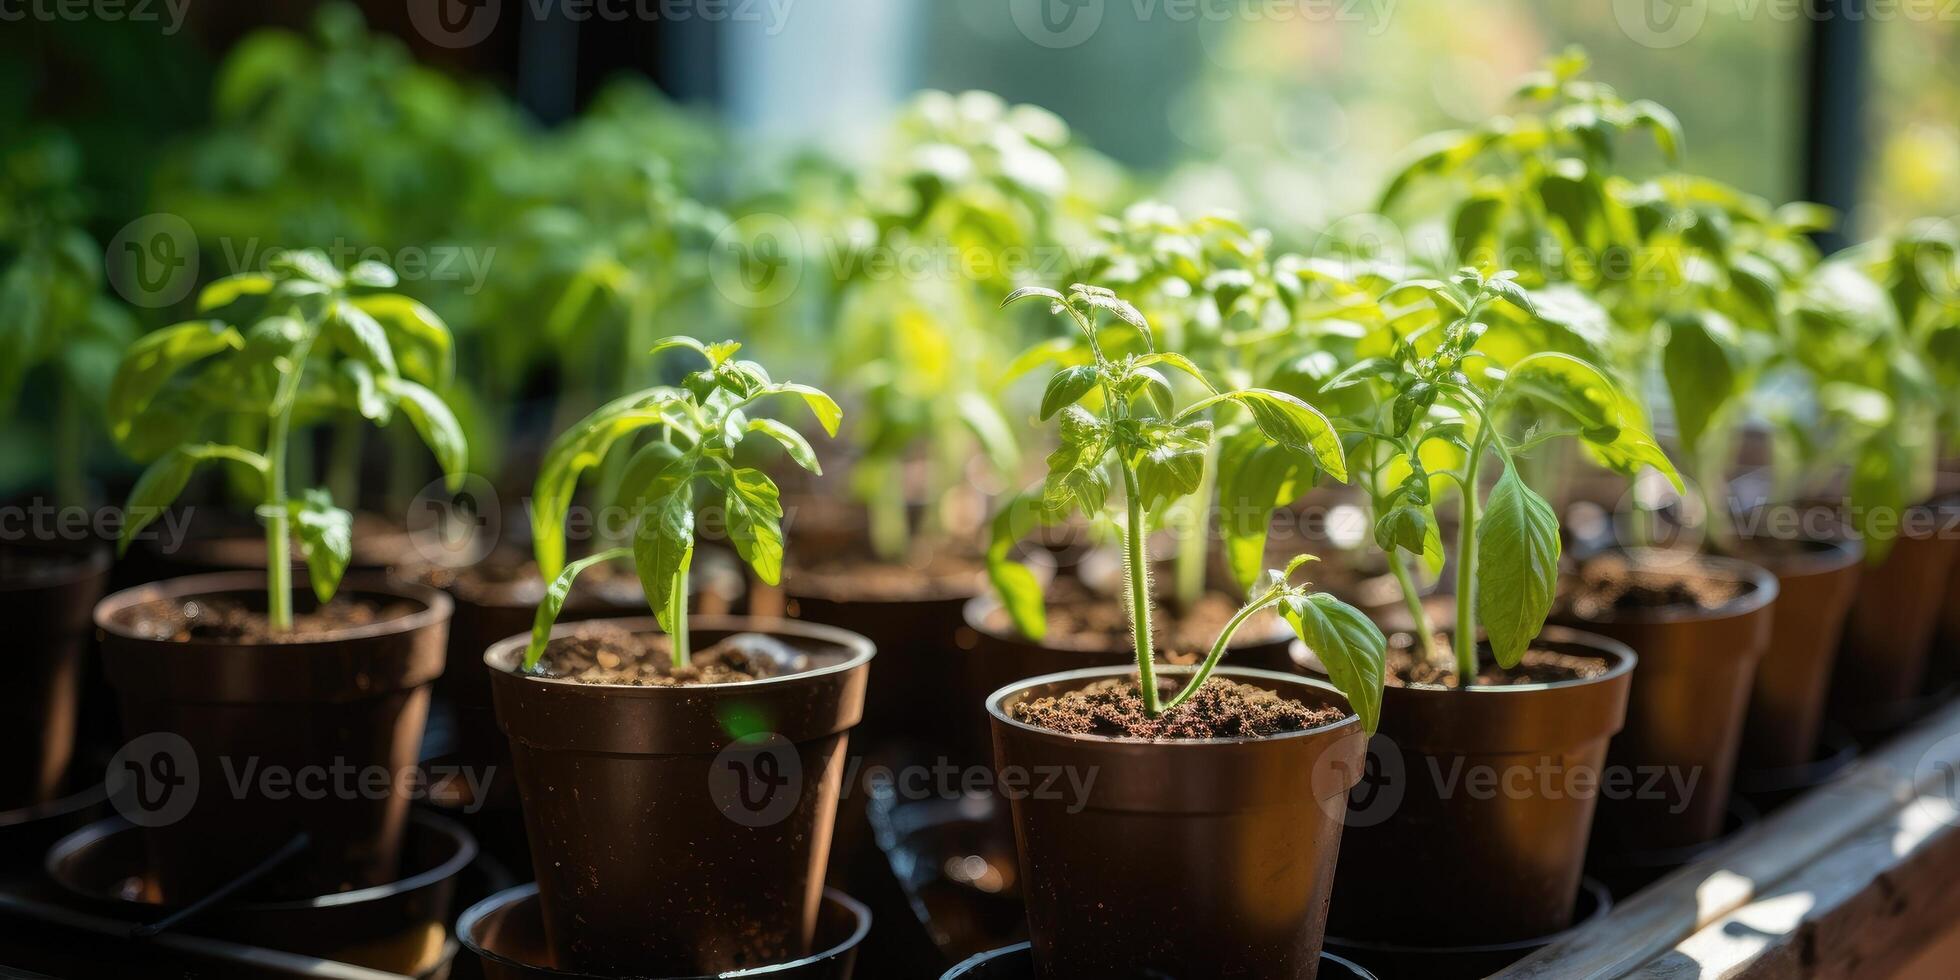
[1016, 962]
[996, 657]
[1889, 633]
[678, 831]
[352, 702]
[1690, 696]
[1513, 859]
[47, 620]
[1786, 703]
[1184, 858]
[506, 932]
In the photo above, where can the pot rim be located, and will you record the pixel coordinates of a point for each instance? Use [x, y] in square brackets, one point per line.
[973, 614]
[1824, 555]
[81, 566]
[467, 922]
[860, 647]
[436, 606]
[965, 966]
[1123, 670]
[1625, 660]
[1764, 591]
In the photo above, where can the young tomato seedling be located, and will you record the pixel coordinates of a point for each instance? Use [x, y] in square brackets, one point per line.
[1157, 452]
[1439, 413]
[320, 342]
[699, 424]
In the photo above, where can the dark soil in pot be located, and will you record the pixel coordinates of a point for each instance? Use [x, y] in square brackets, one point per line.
[1180, 856]
[1088, 629]
[1888, 635]
[506, 934]
[1699, 625]
[680, 821]
[1816, 581]
[1491, 788]
[46, 596]
[315, 731]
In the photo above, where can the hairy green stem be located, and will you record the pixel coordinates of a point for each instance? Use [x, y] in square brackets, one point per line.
[1136, 569]
[1465, 643]
[1218, 647]
[278, 537]
[1418, 613]
[677, 613]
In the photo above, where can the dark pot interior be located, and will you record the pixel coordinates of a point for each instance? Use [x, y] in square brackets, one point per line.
[1188, 858]
[683, 830]
[46, 608]
[399, 927]
[223, 720]
[1514, 859]
[1689, 700]
[506, 933]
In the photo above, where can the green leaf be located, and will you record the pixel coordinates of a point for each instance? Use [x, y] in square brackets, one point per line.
[1406, 526]
[662, 546]
[165, 479]
[1289, 422]
[1512, 293]
[821, 405]
[153, 359]
[360, 336]
[580, 448]
[373, 275]
[1348, 644]
[792, 442]
[366, 395]
[1075, 473]
[231, 289]
[326, 540]
[1123, 311]
[1067, 387]
[983, 418]
[1517, 567]
[1180, 362]
[1255, 478]
[1362, 370]
[437, 425]
[418, 325]
[1039, 291]
[653, 473]
[1440, 292]
[1666, 128]
[1616, 430]
[1014, 583]
[1476, 226]
[1171, 461]
[1701, 376]
[755, 521]
[554, 602]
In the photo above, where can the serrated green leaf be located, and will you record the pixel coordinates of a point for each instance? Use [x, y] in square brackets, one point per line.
[326, 540]
[663, 545]
[1289, 422]
[755, 521]
[1348, 644]
[1067, 387]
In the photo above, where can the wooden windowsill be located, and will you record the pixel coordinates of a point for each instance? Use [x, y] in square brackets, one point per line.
[1851, 880]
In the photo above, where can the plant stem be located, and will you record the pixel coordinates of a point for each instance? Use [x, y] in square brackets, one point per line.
[1418, 613]
[1136, 569]
[677, 612]
[1218, 647]
[1465, 642]
[70, 485]
[278, 538]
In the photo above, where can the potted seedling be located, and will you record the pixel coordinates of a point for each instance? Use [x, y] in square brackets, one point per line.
[1204, 759]
[59, 331]
[251, 671]
[679, 775]
[1443, 412]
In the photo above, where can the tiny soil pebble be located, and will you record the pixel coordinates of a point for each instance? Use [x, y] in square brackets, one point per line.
[229, 621]
[1537, 666]
[1221, 709]
[1610, 584]
[610, 655]
[1080, 619]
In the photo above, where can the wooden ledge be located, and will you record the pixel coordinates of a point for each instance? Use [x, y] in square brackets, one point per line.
[1850, 880]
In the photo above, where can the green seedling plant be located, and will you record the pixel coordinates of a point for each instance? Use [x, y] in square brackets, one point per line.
[54, 317]
[1137, 437]
[694, 429]
[1443, 408]
[315, 341]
